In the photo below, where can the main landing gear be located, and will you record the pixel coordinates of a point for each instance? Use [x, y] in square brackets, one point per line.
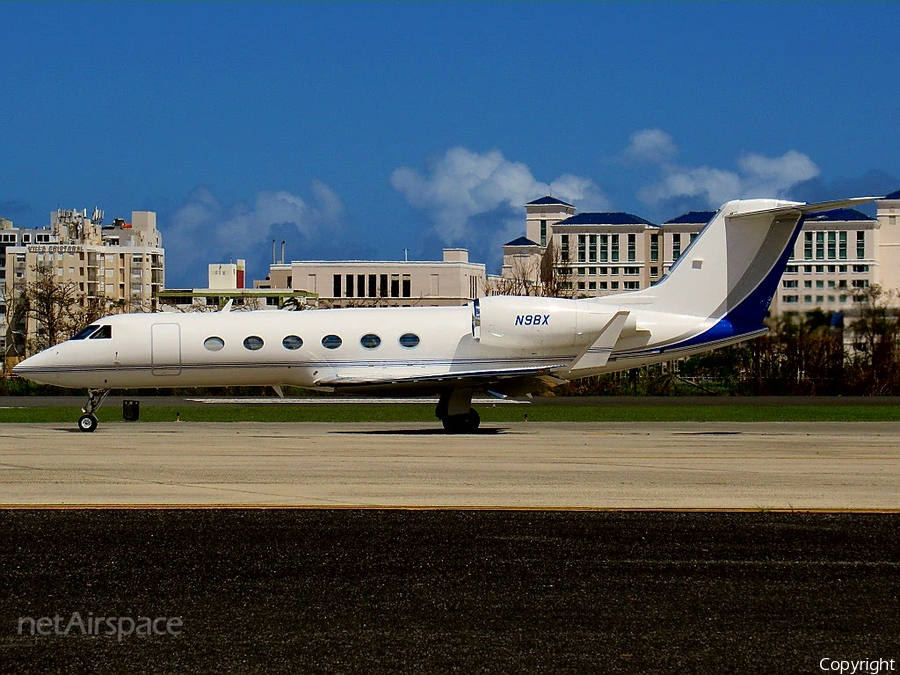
[88, 422]
[456, 413]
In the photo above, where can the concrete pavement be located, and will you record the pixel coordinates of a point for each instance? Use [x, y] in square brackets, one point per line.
[831, 466]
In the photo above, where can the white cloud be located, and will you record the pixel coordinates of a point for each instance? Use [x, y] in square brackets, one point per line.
[203, 230]
[651, 145]
[462, 185]
[756, 175]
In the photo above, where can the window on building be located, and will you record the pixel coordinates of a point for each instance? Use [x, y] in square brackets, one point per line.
[860, 244]
[582, 244]
[592, 248]
[832, 245]
[842, 245]
[790, 298]
[632, 247]
[654, 248]
[383, 286]
[676, 246]
[604, 248]
[407, 285]
[543, 233]
[789, 283]
[807, 245]
[373, 286]
[360, 285]
[820, 245]
[615, 247]
[564, 248]
[336, 291]
[632, 271]
[395, 285]
[632, 285]
[614, 285]
[348, 286]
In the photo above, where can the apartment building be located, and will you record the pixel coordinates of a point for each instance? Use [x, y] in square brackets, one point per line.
[596, 254]
[122, 263]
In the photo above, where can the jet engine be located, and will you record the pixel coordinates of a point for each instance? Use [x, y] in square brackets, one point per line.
[528, 321]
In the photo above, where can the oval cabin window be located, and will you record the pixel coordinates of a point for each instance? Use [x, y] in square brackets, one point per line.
[214, 344]
[370, 341]
[292, 342]
[409, 340]
[331, 342]
[253, 343]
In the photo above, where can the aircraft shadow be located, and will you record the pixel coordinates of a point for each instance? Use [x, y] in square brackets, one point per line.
[423, 432]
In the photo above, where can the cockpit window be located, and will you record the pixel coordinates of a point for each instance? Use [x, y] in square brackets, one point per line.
[84, 332]
[105, 333]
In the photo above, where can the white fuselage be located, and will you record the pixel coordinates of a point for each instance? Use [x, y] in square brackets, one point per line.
[179, 350]
[717, 293]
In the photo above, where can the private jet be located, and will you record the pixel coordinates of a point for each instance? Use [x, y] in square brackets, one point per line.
[716, 294]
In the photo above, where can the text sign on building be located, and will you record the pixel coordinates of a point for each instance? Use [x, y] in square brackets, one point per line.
[55, 248]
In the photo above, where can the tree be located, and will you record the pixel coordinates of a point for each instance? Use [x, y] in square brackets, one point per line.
[875, 359]
[48, 311]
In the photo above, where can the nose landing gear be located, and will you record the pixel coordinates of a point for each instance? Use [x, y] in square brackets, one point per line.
[88, 421]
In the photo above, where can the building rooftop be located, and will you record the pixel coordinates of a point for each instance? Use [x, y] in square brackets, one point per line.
[606, 218]
[893, 195]
[521, 241]
[841, 215]
[548, 200]
[692, 218]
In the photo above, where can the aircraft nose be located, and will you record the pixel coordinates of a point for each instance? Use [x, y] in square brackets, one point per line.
[32, 367]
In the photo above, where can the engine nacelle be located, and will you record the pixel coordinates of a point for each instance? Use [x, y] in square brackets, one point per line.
[528, 321]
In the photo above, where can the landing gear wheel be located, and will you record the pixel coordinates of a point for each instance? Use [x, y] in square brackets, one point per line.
[467, 423]
[87, 423]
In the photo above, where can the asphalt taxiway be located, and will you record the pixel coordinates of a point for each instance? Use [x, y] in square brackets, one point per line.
[830, 466]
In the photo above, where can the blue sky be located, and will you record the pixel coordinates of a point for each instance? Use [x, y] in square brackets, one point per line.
[359, 130]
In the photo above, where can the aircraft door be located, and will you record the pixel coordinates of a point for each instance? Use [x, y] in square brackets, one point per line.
[165, 348]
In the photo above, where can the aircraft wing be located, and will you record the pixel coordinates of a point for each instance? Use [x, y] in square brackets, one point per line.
[502, 380]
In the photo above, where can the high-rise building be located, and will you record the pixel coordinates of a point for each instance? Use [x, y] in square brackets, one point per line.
[120, 265]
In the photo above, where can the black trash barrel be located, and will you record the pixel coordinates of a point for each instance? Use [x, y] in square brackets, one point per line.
[131, 410]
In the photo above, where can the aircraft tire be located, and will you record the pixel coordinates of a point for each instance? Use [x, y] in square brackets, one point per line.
[467, 423]
[87, 423]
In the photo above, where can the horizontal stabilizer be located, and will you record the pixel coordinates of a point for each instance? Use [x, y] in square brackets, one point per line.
[597, 354]
[807, 208]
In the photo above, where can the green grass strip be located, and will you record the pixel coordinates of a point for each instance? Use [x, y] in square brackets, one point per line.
[405, 412]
